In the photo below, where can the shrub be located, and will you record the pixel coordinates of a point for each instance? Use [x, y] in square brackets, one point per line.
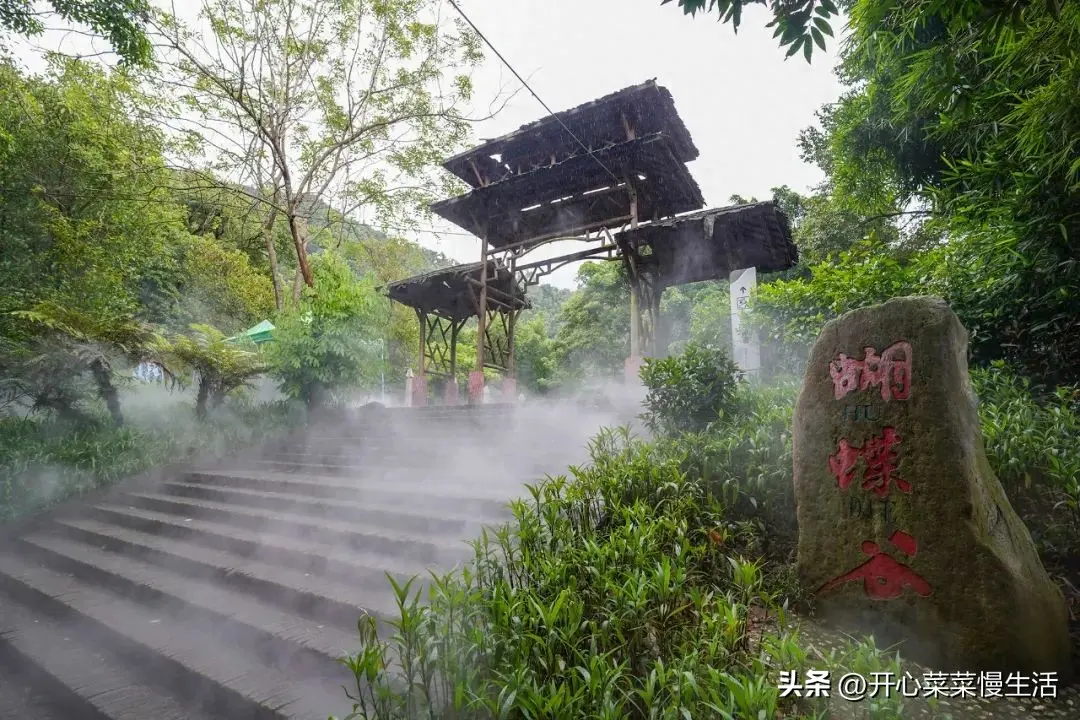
[609, 595]
[745, 460]
[333, 340]
[643, 585]
[687, 392]
[1033, 444]
[43, 462]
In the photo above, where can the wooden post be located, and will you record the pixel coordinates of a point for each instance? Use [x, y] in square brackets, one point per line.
[422, 317]
[510, 381]
[635, 320]
[455, 326]
[419, 382]
[483, 305]
[511, 364]
[450, 396]
[476, 377]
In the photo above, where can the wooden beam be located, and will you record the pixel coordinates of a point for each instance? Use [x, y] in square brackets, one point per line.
[483, 302]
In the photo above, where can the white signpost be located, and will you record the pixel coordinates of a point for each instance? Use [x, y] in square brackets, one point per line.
[747, 352]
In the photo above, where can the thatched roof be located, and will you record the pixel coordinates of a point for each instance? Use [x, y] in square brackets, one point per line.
[578, 194]
[453, 292]
[709, 244]
[646, 108]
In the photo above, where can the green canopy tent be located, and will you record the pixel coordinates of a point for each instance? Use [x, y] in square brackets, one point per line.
[261, 333]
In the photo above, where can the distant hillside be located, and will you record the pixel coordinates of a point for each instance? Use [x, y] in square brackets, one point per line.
[321, 216]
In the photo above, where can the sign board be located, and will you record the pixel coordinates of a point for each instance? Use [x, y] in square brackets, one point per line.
[746, 352]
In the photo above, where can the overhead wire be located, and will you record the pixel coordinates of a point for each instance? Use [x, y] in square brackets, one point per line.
[532, 92]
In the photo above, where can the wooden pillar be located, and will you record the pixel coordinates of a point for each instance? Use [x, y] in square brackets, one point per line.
[455, 327]
[630, 369]
[419, 382]
[635, 300]
[476, 377]
[422, 318]
[450, 396]
[510, 381]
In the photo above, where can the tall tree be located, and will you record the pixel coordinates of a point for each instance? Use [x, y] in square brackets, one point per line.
[974, 113]
[123, 22]
[85, 216]
[594, 332]
[351, 102]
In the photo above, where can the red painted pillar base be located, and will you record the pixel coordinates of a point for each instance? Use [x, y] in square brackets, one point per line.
[632, 368]
[509, 390]
[476, 387]
[450, 393]
[419, 391]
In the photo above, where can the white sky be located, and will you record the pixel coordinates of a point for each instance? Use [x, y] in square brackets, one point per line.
[743, 104]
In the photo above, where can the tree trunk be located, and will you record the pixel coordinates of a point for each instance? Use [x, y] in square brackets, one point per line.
[107, 390]
[298, 286]
[202, 398]
[299, 238]
[316, 397]
[65, 411]
[271, 254]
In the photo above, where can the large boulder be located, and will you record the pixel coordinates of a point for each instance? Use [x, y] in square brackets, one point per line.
[904, 530]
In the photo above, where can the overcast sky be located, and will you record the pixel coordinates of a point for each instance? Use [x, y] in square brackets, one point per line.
[743, 104]
[741, 101]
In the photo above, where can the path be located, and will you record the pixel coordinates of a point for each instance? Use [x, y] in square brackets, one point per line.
[231, 591]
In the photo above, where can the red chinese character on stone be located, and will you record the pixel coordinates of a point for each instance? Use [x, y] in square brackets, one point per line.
[881, 464]
[880, 472]
[891, 371]
[884, 577]
[843, 463]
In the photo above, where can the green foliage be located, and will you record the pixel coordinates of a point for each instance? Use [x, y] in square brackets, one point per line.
[687, 392]
[43, 462]
[594, 332]
[87, 344]
[221, 366]
[710, 316]
[536, 360]
[1031, 441]
[217, 285]
[122, 22]
[608, 596]
[969, 110]
[789, 314]
[82, 191]
[332, 341]
[744, 458]
[359, 103]
[800, 25]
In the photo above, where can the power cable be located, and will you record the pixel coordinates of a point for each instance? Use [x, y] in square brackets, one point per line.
[532, 92]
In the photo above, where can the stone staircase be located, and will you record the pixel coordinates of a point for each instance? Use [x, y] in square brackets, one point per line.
[230, 590]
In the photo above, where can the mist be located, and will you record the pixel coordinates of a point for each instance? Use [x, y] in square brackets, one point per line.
[232, 583]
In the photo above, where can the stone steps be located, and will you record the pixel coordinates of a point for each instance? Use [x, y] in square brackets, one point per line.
[423, 548]
[350, 511]
[299, 646]
[228, 680]
[332, 602]
[231, 590]
[48, 673]
[306, 557]
[384, 490]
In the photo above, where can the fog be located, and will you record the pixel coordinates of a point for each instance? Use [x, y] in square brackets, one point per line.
[235, 580]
